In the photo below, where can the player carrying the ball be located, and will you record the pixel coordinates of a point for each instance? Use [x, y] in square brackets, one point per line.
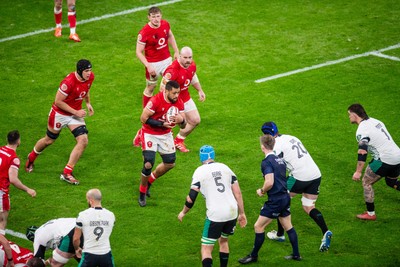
[156, 135]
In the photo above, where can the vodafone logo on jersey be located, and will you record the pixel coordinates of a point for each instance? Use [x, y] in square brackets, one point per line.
[161, 41]
[187, 83]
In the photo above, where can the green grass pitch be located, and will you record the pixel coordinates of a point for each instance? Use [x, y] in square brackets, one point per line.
[235, 43]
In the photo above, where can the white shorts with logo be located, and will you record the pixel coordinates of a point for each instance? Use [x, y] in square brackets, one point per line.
[58, 121]
[159, 68]
[164, 144]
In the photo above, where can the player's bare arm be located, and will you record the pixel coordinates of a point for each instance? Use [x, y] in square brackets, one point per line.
[164, 81]
[239, 199]
[140, 55]
[202, 95]
[172, 42]
[13, 174]
[190, 199]
[59, 102]
[268, 183]
[196, 84]
[146, 114]
[88, 105]
[362, 157]
[76, 240]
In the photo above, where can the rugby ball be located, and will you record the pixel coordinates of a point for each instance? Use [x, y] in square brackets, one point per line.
[172, 111]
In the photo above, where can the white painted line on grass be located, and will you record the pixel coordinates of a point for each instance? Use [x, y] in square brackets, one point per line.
[328, 63]
[16, 234]
[107, 16]
[384, 56]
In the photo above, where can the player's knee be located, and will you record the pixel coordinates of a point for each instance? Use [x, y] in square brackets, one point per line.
[71, 8]
[169, 159]
[258, 228]
[194, 120]
[148, 165]
[58, 5]
[392, 182]
[51, 137]
[367, 188]
[197, 121]
[150, 85]
[169, 165]
[307, 203]
[149, 157]
[80, 130]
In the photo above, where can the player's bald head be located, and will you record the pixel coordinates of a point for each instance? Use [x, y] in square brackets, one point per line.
[94, 194]
[186, 50]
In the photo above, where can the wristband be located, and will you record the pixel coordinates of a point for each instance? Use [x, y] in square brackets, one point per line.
[262, 191]
[10, 259]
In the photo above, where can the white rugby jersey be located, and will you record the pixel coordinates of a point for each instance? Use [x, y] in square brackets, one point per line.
[50, 234]
[97, 225]
[298, 161]
[214, 181]
[380, 142]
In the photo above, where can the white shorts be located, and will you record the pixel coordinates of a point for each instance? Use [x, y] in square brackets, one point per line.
[2, 257]
[190, 105]
[4, 201]
[159, 67]
[164, 144]
[58, 121]
[61, 258]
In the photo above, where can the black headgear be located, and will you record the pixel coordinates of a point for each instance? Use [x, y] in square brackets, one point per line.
[30, 232]
[82, 65]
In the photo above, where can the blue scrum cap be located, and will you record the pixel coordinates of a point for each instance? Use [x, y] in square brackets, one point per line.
[206, 152]
[269, 128]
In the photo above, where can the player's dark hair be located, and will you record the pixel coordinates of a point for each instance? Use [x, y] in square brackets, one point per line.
[268, 141]
[13, 137]
[35, 262]
[171, 84]
[359, 110]
[154, 10]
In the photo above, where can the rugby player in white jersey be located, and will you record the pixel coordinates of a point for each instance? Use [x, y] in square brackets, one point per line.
[95, 224]
[304, 177]
[372, 136]
[49, 235]
[224, 202]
